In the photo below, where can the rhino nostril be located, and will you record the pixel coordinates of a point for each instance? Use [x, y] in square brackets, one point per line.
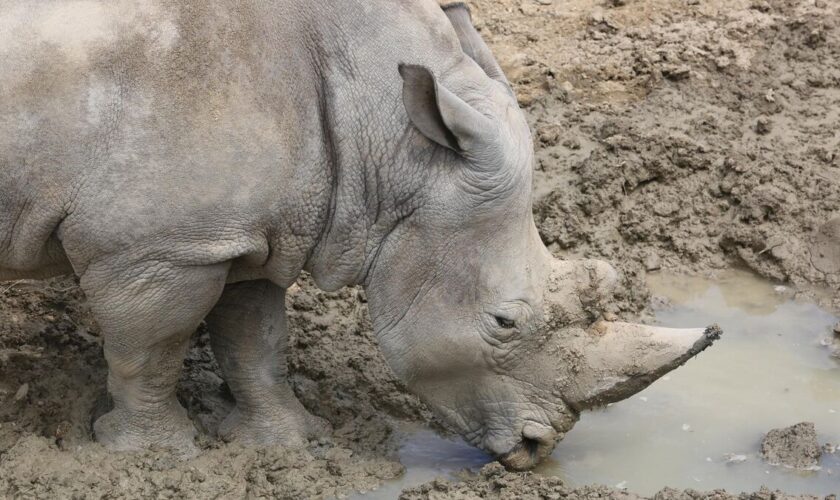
[532, 446]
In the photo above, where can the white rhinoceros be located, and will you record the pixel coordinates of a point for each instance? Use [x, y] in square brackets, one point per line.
[188, 159]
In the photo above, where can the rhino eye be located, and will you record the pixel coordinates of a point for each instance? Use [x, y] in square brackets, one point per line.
[505, 323]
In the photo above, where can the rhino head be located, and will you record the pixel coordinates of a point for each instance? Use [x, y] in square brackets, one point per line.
[504, 342]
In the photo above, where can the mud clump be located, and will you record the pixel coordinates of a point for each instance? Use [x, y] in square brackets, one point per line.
[795, 446]
[494, 482]
[35, 468]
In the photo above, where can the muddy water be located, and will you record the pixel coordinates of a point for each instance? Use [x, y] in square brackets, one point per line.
[699, 427]
[426, 456]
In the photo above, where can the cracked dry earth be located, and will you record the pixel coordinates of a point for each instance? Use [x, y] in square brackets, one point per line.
[685, 135]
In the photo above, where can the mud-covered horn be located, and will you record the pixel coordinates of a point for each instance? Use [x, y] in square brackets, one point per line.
[621, 359]
[471, 42]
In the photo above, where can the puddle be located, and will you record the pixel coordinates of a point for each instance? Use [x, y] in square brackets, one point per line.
[769, 370]
[427, 456]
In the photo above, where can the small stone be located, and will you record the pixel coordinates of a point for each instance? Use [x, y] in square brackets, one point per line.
[62, 429]
[836, 328]
[763, 126]
[549, 135]
[529, 8]
[652, 262]
[21, 393]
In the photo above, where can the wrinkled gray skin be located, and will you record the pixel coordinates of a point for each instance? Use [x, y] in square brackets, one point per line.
[187, 160]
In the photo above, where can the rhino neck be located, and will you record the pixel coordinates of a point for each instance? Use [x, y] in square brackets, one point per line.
[377, 181]
[378, 167]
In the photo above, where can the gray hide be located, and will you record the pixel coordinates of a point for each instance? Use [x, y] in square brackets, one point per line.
[188, 159]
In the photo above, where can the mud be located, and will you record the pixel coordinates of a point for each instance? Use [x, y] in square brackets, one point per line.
[795, 447]
[52, 385]
[494, 482]
[687, 136]
[684, 135]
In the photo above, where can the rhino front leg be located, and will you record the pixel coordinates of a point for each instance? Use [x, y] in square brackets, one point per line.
[147, 313]
[249, 338]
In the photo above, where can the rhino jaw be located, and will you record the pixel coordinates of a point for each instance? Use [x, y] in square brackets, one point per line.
[624, 358]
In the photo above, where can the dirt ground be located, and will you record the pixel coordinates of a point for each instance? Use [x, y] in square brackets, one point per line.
[684, 135]
[494, 482]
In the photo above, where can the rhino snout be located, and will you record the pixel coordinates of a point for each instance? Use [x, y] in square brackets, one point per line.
[537, 442]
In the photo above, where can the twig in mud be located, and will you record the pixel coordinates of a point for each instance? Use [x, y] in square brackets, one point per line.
[12, 285]
[769, 247]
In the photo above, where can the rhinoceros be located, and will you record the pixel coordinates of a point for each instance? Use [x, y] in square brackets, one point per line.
[188, 160]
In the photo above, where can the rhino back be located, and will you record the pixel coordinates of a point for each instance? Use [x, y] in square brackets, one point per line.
[126, 123]
[200, 129]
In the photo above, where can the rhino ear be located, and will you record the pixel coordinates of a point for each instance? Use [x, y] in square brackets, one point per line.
[439, 114]
[471, 42]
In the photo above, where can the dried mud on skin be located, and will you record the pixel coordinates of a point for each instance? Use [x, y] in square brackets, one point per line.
[684, 135]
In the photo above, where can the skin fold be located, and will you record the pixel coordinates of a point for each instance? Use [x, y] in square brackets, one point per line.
[188, 160]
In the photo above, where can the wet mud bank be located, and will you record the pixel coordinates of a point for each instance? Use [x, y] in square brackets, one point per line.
[686, 136]
[494, 482]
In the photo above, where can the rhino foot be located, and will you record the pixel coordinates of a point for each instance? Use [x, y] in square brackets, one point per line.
[122, 430]
[283, 427]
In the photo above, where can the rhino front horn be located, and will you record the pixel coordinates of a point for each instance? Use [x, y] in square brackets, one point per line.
[624, 358]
